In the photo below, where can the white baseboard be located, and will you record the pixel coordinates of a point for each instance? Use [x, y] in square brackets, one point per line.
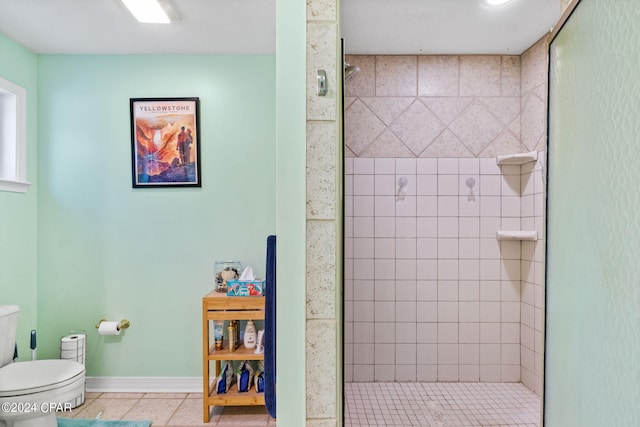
[144, 384]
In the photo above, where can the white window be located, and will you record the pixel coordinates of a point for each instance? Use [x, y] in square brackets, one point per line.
[13, 141]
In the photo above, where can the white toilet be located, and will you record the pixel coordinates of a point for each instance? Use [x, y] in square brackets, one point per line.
[30, 392]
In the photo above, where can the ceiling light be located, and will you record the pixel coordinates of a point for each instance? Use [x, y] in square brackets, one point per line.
[495, 2]
[151, 11]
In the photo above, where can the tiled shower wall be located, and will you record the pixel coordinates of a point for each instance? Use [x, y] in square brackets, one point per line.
[433, 295]
[532, 217]
[430, 293]
[534, 63]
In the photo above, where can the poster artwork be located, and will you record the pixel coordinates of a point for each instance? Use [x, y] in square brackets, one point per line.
[165, 142]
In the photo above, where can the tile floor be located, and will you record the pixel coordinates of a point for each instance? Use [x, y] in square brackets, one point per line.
[167, 409]
[440, 404]
[366, 404]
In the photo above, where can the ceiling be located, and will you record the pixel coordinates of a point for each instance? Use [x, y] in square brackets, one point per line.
[106, 27]
[445, 26]
[248, 27]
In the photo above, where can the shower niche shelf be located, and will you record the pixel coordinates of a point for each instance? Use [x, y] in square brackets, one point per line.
[517, 235]
[517, 159]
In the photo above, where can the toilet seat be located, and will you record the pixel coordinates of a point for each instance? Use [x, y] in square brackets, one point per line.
[24, 378]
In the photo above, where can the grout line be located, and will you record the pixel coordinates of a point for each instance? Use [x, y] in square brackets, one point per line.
[177, 408]
[132, 406]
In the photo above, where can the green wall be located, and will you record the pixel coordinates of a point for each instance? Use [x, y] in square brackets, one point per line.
[18, 260]
[291, 159]
[106, 250]
[93, 247]
[593, 292]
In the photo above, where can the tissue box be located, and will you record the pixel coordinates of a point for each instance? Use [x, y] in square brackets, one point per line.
[245, 288]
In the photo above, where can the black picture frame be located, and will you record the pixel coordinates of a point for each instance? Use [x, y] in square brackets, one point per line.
[165, 142]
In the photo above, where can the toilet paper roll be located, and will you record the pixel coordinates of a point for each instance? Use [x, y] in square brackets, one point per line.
[71, 354]
[76, 349]
[73, 347]
[72, 342]
[79, 357]
[109, 328]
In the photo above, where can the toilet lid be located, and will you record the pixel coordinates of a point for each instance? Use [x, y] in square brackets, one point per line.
[36, 376]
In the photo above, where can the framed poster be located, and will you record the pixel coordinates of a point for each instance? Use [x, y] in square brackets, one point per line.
[165, 142]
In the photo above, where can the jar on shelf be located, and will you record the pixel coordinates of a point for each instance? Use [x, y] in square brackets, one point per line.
[226, 270]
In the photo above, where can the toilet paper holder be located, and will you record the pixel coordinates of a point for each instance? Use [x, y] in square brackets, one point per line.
[123, 324]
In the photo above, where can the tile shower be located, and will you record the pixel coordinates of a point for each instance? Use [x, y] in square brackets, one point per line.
[430, 293]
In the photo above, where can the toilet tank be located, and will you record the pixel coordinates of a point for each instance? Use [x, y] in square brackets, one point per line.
[8, 325]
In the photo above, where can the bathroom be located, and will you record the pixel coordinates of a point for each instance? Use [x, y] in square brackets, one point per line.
[431, 295]
[84, 245]
[582, 395]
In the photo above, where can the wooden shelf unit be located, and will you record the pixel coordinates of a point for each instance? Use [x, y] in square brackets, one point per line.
[218, 306]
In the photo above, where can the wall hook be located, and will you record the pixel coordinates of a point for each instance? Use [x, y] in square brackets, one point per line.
[402, 188]
[471, 183]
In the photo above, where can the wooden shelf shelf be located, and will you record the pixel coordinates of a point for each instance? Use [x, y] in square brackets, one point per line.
[240, 353]
[234, 398]
[235, 315]
[218, 306]
[220, 301]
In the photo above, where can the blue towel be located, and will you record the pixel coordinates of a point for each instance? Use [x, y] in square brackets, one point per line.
[270, 329]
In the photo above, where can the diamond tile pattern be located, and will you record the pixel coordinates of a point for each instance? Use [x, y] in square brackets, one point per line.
[533, 122]
[387, 109]
[362, 127]
[476, 127]
[446, 106]
[387, 145]
[506, 109]
[447, 144]
[417, 127]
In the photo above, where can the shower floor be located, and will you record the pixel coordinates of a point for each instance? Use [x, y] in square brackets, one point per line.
[440, 404]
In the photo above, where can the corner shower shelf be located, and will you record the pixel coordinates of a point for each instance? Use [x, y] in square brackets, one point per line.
[517, 235]
[517, 159]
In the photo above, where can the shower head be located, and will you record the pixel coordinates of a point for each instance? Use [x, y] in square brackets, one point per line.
[350, 71]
